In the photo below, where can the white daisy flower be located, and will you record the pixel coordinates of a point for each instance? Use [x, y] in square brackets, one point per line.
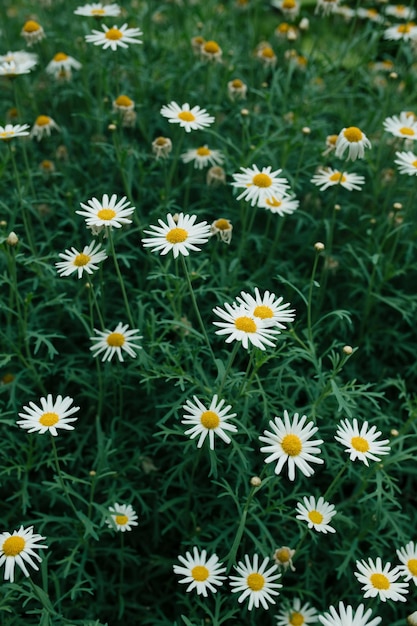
[242, 327]
[353, 140]
[402, 11]
[256, 582]
[361, 443]
[202, 157]
[267, 307]
[348, 617]
[259, 185]
[11, 131]
[51, 415]
[179, 236]
[404, 125]
[32, 32]
[10, 69]
[222, 228]
[326, 7]
[282, 205]
[289, 8]
[122, 517]
[97, 9]
[408, 557]
[296, 614]
[62, 65]
[208, 421]
[85, 261]
[316, 514]
[18, 549]
[200, 573]
[370, 14]
[114, 37]
[405, 31]
[116, 341]
[283, 558]
[107, 213]
[380, 580]
[327, 177]
[290, 442]
[407, 163]
[190, 119]
[43, 125]
[20, 57]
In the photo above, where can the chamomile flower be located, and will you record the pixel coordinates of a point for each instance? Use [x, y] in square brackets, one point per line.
[239, 326]
[161, 147]
[202, 157]
[97, 9]
[267, 307]
[85, 261]
[296, 614]
[32, 32]
[256, 582]
[222, 228]
[208, 421]
[116, 341]
[317, 514]
[289, 8]
[403, 125]
[51, 415]
[259, 185]
[237, 89]
[114, 37]
[177, 236]
[108, 212]
[380, 580]
[11, 69]
[211, 51]
[43, 125]
[200, 573]
[361, 443]
[290, 442]
[280, 204]
[354, 141]
[326, 7]
[10, 131]
[408, 557]
[407, 163]
[19, 57]
[18, 549]
[406, 32]
[283, 558]
[348, 617]
[62, 65]
[370, 14]
[327, 177]
[188, 118]
[402, 11]
[122, 517]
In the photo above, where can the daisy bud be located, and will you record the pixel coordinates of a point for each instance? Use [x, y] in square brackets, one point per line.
[112, 127]
[12, 239]
[255, 481]
[412, 619]
[319, 246]
[306, 130]
[347, 349]
[395, 433]
[397, 206]
[304, 24]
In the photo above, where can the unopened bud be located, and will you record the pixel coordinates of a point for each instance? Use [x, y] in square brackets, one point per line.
[255, 481]
[319, 246]
[12, 239]
[347, 349]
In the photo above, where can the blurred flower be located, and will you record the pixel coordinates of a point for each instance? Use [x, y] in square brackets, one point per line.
[326, 6]
[19, 548]
[114, 37]
[190, 119]
[402, 11]
[316, 514]
[211, 51]
[379, 580]
[53, 414]
[32, 32]
[177, 236]
[330, 144]
[259, 185]
[196, 43]
[347, 616]
[354, 140]
[20, 57]
[241, 327]
[47, 167]
[361, 443]
[237, 89]
[256, 582]
[200, 573]
[97, 9]
[404, 125]
[61, 66]
[122, 516]
[281, 205]
[297, 614]
[267, 308]
[123, 103]
[327, 177]
[289, 8]
[408, 557]
[115, 341]
[265, 53]
[11, 69]
[407, 163]
[283, 558]
[208, 421]
[43, 126]
[405, 31]
[161, 147]
[286, 32]
[12, 239]
[202, 157]
[216, 176]
[11, 131]
[223, 228]
[85, 261]
[107, 213]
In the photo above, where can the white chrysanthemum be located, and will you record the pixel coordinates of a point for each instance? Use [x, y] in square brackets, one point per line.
[402, 11]
[20, 57]
[97, 9]
[11, 68]
[122, 517]
[202, 157]
[190, 119]
[361, 443]
[407, 163]
[296, 614]
[179, 236]
[408, 557]
[11, 131]
[18, 549]
[405, 31]
[282, 204]
[317, 514]
[256, 582]
[289, 8]
[114, 37]
[267, 307]
[258, 185]
[403, 125]
[106, 213]
[380, 580]
[347, 617]
[62, 65]
[200, 573]
[327, 177]
[51, 415]
[208, 421]
[244, 328]
[43, 125]
[85, 261]
[116, 341]
[354, 141]
[290, 442]
[326, 7]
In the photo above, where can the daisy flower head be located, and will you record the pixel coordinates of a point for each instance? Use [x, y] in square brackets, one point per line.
[327, 177]
[188, 118]
[239, 326]
[62, 65]
[402, 11]
[32, 32]
[202, 157]
[407, 163]
[237, 89]
[380, 580]
[296, 614]
[211, 51]
[114, 37]
[348, 617]
[289, 8]
[116, 341]
[258, 185]
[326, 7]
[80, 262]
[222, 228]
[178, 236]
[216, 176]
[18, 548]
[208, 421]
[43, 125]
[11, 69]
[10, 131]
[200, 573]
[267, 307]
[51, 415]
[19, 57]
[354, 141]
[408, 557]
[290, 442]
[122, 517]
[370, 14]
[406, 32]
[283, 558]
[256, 582]
[403, 125]
[317, 514]
[161, 147]
[361, 443]
[281, 205]
[108, 212]
[98, 9]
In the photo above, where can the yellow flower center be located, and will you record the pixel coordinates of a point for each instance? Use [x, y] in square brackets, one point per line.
[268, 53]
[176, 235]
[291, 444]
[283, 555]
[6, 134]
[360, 444]
[337, 177]
[262, 180]
[203, 151]
[255, 581]
[296, 619]
[246, 324]
[289, 4]
[263, 311]
[283, 27]
[274, 202]
[60, 56]
[414, 163]
[115, 340]
[161, 141]
[81, 259]
[123, 101]
[98, 12]
[222, 224]
[405, 28]
[380, 581]
[211, 47]
[13, 546]
[412, 566]
[406, 130]
[210, 420]
[49, 419]
[113, 34]
[237, 83]
[186, 116]
[42, 120]
[121, 520]
[200, 573]
[31, 26]
[106, 214]
[353, 134]
[315, 516]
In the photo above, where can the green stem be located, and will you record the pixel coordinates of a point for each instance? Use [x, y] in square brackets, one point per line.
[121, 282]
[61, 479]
[228, 366]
